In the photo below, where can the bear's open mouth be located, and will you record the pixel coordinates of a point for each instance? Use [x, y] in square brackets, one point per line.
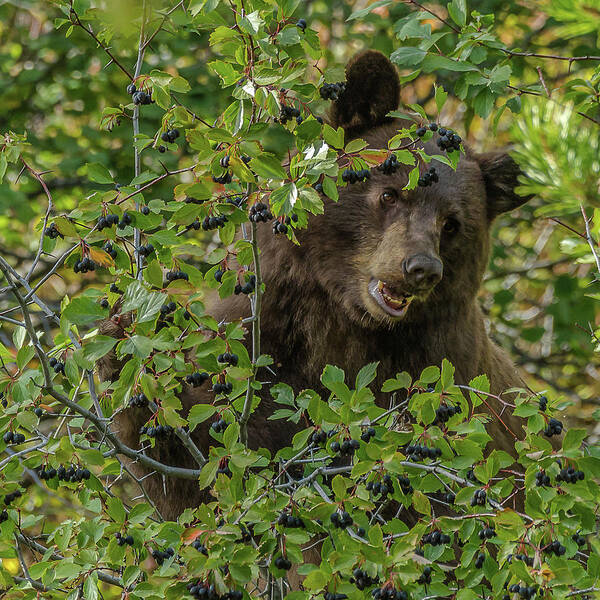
[393, 303]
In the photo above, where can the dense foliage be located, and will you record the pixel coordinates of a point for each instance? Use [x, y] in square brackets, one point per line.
[136, 140]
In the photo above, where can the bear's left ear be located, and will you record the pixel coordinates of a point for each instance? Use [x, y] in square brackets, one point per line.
[372, 90]
[500, 174]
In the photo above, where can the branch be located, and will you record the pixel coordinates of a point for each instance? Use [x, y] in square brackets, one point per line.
[256, 306]
[589, 239]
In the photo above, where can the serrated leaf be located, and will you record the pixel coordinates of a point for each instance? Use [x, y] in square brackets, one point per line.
[101, 257]
[98, 173]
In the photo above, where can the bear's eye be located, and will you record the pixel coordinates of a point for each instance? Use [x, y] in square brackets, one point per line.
[451, 226]
[388, 198]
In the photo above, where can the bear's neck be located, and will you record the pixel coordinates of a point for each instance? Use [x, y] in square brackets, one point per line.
[306, 329]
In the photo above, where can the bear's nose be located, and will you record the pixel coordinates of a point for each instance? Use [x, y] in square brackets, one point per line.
[422, 271]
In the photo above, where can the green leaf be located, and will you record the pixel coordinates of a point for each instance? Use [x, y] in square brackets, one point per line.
[440, 98]
[334, 137]
[355, 146]
[435, 62]
[147, 303]
[138, 345]
[200, 413]
[408, 56]
[330, 188]
[98, 347]
[99, 173]
[363, 12]
[457, 9]
[82, 311]
[366, 375]
[115, 509]
[268, 167]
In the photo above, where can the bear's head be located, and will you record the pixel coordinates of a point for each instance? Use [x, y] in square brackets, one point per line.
[390, 255]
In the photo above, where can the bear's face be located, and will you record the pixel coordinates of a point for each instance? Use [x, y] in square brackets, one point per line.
[390, 255]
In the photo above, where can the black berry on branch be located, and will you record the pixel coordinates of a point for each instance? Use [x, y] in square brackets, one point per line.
[52, 232]
[108, 248]
[332, 91]
[259, 212]
[170, 135]
[428, 178]
[213, 222]
[141, 98]
[302, 24]
[223, 179]
[175, 275]
[352, 176]
[554, 427]
[228, 358]
[84, 265]
[390, 165]
[197, 379]
[138, 400]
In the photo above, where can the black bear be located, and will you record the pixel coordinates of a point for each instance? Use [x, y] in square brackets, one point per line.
[383, 275]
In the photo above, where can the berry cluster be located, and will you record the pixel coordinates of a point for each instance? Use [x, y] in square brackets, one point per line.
[195, 225]
[213, 222]
[361, 579]
[405, 486]
[219, 426]
[279, 227]
[139, 97]
[59, 367]
[170, 135]
[390, 165]
[107, 221]
[526, 592]
[570, 475]
[146, 250]
[487, 533]
[428, 178]
[72, 474]
[223, 179]
[346, 448]
[197, 379]
[479, 560]
[104, 303]
[479, 498]
[125, 220]
[228, 358]
[332, 91]
[283, 563]
[436, 538]
[84, 265]
[222, 388]
[52, 232]
[366, 435]
[334, 596]
[556, 547]
[541, 479]
[259, 212]
[138, 400]
[114, 289]
[425, 578]
[448, 140]
[165, 309]
[12, 496]
[247, 288]
[449, 497]
[445, 412]
[543, 403]
[319, 437]
[554, 427]
[12, 437]
[198, 545]
[161, 555]
[351, 176]
[156, 432]
[578, 539]
[341, 519]
[175, 275]
[287, 113]
[108, 248]
[204, 591]
[302, 24]
[124, 539]
[389, 593]
[416, 452]
[528, 560]
[383, 488]
[290, 521]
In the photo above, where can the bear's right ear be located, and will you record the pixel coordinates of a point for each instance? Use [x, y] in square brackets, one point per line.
[372, 90]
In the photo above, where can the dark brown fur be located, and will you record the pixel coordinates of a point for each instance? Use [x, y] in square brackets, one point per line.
[316, 309]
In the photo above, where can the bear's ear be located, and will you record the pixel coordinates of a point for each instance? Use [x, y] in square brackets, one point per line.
[372, 90]
[500, 174]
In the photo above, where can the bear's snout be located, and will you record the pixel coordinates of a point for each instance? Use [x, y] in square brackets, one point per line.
[422, 272]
